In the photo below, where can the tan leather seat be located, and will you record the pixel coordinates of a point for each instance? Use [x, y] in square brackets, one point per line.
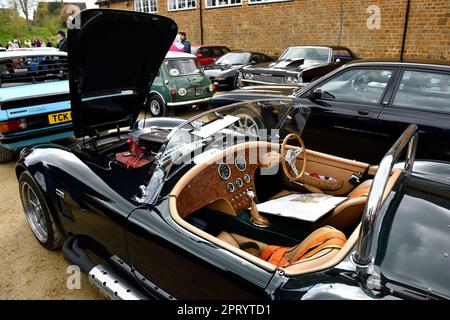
[324, 243]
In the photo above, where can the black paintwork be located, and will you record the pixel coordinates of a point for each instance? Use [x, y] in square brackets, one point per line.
[224, 75]
[413, 232]
[362, 131]
[298, 68]
[91, 196]
[106, 94]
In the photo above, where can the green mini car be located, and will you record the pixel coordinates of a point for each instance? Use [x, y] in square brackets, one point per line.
[180, 82]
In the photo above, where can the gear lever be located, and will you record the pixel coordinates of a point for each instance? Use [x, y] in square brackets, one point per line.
[256, 219]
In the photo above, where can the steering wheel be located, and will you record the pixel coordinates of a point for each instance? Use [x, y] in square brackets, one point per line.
[289, 157]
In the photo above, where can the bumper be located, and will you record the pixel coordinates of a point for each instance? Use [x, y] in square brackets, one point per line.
[19, 140]
[189, 103]
[223, 82]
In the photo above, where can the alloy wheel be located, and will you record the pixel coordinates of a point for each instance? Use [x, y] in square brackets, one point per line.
[34, 212]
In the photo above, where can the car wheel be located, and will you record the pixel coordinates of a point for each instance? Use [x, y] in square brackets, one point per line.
[6, 155]
[249, 122]
[156, 106]
[236, 82]
[38, 213]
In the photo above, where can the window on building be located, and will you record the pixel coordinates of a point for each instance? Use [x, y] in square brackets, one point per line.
[265, 1]
[181, 4]
[222, 3]
[145, 6]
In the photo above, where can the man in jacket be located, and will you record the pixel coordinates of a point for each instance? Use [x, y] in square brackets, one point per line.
[185, 42]
[62, 42]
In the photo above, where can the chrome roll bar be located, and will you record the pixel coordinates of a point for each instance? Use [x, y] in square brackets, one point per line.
[362, 256]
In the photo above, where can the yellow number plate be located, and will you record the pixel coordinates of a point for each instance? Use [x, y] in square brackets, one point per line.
[59, 117]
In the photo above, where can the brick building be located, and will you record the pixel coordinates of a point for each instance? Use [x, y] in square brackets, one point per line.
[372, 28]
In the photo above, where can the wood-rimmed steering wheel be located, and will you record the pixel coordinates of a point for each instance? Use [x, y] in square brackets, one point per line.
[289, 157]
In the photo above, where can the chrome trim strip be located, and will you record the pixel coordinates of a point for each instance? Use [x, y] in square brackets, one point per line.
[362, 257]
[159, 94]
[184, 103]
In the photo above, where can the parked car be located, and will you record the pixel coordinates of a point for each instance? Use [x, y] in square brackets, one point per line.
[224, 73]
[207, 54]
[169, 205]
[368, 104]
[34, 99]
[180, 82]
[297, 65]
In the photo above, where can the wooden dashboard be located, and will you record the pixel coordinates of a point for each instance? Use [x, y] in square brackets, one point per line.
[222, 185]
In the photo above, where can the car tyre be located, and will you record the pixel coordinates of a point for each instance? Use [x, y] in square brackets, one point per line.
[6, 155]
[156, 106]
[38, 213]
[236, 82]
[249, 120]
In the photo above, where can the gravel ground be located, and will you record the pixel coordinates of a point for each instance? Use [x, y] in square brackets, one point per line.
[27, 270]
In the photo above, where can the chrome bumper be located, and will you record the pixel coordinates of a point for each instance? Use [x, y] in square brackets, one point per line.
[187, 103]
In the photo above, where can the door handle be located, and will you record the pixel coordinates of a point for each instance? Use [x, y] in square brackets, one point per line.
[363, 113]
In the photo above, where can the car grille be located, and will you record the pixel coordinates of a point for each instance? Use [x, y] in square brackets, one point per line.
[269, 78]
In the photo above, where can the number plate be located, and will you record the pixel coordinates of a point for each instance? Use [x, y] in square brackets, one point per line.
[59, 117]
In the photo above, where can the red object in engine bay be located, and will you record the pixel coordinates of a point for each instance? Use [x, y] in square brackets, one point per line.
[134, 158]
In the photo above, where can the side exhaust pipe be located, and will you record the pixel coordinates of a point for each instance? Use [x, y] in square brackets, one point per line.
[110, 283]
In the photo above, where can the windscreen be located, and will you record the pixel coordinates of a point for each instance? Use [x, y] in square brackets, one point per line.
[234, 58]
[316, 54]
[16, 71]
[224, 127]
[177, 67]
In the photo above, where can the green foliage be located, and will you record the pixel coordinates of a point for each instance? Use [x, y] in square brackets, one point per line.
[44, 26]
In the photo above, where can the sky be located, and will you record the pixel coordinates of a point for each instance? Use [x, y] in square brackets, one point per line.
[8, 3]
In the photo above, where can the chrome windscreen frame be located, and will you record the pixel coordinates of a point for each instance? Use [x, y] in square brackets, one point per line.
[362, 257]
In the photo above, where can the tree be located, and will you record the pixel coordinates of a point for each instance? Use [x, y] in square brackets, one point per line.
[26, 8]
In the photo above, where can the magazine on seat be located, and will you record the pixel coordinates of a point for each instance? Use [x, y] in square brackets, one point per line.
[307, 207]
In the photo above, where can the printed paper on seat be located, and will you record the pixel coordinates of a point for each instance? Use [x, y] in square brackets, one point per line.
[307, 207]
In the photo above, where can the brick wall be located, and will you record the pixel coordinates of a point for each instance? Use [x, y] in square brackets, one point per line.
[272, 27]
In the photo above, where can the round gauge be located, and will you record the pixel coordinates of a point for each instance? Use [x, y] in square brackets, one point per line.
[239, 182]
[240, 163]
[230, 187]
[224, 171]
[246, 178]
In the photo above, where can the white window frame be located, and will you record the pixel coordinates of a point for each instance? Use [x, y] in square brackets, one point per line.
[253, 2]
[223, 5]
[181, 9]
[141, 5]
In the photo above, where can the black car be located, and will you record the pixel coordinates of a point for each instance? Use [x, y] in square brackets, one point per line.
[297, 66]
[173, 208]
[368, 104]
[224, 73]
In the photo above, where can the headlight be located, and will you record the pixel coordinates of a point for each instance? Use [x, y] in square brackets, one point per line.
[182, 91]
[248, 75]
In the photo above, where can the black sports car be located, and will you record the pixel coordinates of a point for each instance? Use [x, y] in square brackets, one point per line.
[214, 207]
[297, 66]
[224, 73]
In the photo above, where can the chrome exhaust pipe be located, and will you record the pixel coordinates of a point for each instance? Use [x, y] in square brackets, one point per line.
[113, 286]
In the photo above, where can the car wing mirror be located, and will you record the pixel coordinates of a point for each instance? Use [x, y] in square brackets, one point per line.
[316, 94]
[253, 62]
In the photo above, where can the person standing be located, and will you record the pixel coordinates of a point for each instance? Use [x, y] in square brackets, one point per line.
[62, 41]
[185, 42]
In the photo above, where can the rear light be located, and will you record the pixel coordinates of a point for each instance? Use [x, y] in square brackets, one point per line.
[212, 88]
[173, 93]
[12, 125]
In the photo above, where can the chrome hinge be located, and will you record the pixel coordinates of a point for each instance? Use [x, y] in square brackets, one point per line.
[277, 280]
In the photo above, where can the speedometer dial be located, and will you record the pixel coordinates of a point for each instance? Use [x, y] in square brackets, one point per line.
[240, 163]
[224, 171]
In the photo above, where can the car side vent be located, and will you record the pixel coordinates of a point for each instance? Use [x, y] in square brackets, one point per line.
[65, 209]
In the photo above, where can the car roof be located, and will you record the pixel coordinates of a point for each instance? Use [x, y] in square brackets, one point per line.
[207, 45]
[31, 53]
[175, 54]
[322, 46]
[398, 62]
